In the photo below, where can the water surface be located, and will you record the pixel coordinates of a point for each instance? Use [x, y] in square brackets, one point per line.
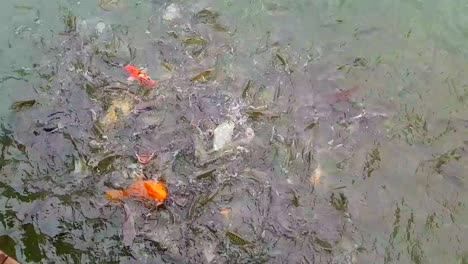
[349, 141]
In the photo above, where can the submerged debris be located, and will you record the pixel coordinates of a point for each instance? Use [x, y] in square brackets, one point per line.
[372, 162]
[100, 27]
[223, 135]
[117, 109]
[172, 12]
[108, 5]
[340, 203]
[70, 21]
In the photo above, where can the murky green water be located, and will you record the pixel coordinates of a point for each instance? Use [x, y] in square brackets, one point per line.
[349, 143]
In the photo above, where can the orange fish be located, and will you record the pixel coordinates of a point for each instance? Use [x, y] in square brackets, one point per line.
[142, 77]
[143, 189]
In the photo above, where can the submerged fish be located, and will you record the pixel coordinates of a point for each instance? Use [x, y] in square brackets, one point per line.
[143, 189]
[139, 75]
[341, 96]
[144, 158]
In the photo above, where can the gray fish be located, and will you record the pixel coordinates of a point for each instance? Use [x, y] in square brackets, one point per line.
[129, 232]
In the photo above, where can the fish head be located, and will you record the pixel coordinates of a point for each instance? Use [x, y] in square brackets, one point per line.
[156, 190]
[134, 71]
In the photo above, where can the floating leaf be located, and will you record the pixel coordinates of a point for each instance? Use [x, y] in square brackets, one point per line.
[203, 76]
[108, 5]
[21, 104]
[194, 41]
[237, 239]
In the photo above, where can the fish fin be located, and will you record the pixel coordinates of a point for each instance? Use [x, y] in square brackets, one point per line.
[115, 195]
[162, 181]
[140, 177]
[152, 83]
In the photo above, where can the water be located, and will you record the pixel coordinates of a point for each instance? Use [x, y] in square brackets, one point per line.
[349, 143]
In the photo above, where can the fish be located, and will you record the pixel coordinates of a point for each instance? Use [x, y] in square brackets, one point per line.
[128, 228]
[139, 75]
[144, 158]
[341, 96]
[142, 189]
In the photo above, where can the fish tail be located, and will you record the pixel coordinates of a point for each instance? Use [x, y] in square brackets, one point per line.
[115, 195]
